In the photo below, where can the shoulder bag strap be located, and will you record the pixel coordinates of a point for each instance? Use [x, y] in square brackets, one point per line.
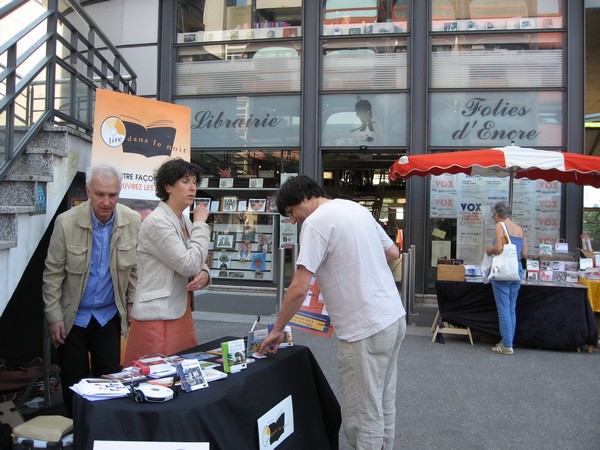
[506, 232]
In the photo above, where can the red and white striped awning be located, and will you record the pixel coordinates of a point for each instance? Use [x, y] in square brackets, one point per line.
[510, 161]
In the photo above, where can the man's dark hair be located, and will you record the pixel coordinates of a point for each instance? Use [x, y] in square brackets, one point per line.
[295, 190]
[171, 171]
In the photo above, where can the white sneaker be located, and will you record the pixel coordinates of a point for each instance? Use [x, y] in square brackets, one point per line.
[502, 350]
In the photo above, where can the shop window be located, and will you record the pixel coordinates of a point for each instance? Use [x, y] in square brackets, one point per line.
[363, 120]
[497, 9]
[532, 60]
[349, 11]
[472, 15]
[484, 118]
[442, 10]
[364, 64]
[239, 188]
[255, 67]
[201, 21]
[244, 121]
[352, 17]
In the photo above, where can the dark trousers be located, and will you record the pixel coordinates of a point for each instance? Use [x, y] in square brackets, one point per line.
[95, 344]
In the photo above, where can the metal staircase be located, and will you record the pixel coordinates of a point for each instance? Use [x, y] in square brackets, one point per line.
[50, 67]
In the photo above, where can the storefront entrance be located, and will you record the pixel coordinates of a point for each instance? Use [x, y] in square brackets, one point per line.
[363, 177]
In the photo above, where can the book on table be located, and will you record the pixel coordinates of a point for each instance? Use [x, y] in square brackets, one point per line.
[234, 355]
[125, 376]
[191, 374]
[255, 338]
[211, 374]
[287, 341]
[200, 356]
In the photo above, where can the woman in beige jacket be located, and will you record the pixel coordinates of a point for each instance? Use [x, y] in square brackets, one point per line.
[171, 257]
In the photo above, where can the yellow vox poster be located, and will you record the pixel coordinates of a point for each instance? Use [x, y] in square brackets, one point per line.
[137, 135]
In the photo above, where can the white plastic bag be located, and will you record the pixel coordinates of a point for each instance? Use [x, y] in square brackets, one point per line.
[486, 265]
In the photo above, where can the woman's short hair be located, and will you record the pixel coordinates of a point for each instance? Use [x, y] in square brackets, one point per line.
[502, 209]
[171, 171]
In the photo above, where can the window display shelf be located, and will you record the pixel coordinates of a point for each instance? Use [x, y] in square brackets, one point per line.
[244, 227]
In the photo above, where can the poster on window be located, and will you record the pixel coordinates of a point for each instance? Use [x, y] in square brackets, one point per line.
[470, 199]
[443, 196]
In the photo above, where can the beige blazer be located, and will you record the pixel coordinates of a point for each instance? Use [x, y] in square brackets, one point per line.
[165, 263]
[68, 262]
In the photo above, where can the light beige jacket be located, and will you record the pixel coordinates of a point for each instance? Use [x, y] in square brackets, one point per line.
[165, 263]
[68, 262]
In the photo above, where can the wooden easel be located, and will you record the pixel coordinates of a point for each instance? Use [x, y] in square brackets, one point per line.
[446, 328]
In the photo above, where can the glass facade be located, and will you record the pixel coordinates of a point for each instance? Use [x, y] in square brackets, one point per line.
[269, 98]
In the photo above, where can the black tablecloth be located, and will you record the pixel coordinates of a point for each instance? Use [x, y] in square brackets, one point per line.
[225, 413]
[548, 317]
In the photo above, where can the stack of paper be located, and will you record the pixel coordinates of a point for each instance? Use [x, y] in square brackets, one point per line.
[100, 389]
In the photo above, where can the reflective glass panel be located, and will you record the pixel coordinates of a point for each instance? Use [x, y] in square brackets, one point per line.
[344, 17]
[267, 121]
[496, 118]
[363, 120]
[471, 15]
[202, 20]
[373, 63]
[497, 60]
[245, 164]
[242, 68]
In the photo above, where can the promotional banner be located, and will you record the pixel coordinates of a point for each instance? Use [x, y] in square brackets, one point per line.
[137, 135]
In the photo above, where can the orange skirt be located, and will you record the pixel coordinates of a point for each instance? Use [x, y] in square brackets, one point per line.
[165, 337]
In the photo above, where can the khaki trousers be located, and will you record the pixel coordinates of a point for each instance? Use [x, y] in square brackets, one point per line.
[368, 377]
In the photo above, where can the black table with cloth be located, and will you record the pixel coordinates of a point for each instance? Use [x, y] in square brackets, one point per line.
[225, 413]
[549, 317]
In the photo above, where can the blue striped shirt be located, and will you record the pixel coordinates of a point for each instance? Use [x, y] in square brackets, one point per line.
[99, 295]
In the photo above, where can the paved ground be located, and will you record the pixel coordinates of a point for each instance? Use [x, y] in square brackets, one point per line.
[454, 395]
[458, 396]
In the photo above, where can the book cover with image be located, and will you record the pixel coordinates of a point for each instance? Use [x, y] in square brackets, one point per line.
[234, 355]
[287, 336]
[255, 338]
[191, 375]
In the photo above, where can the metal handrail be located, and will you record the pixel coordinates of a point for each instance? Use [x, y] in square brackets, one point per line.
[73, 60]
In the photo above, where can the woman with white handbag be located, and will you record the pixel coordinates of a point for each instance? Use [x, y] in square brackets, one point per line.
[506, 286]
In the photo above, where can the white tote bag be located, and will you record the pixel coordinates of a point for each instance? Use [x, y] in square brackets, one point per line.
[505, 266]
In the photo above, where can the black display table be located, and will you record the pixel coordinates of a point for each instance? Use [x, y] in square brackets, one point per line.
[548, 317]
[224, 414]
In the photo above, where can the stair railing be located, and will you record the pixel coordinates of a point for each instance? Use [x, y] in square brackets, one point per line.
[49, 71]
